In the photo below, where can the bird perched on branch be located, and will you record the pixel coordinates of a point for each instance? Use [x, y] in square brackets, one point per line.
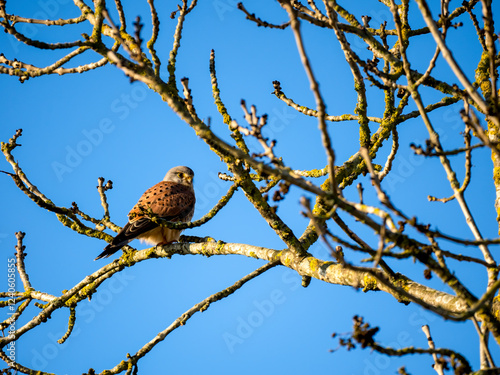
[171, 199]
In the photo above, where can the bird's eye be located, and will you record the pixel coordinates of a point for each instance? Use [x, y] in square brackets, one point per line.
[180, 174]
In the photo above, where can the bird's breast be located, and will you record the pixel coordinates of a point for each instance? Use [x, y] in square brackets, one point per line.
[160, 235]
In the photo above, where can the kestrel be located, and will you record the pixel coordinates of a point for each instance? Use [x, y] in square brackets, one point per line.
[171, 199]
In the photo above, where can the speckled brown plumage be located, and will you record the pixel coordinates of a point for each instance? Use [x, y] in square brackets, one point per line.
[171, 199]
[168, 200]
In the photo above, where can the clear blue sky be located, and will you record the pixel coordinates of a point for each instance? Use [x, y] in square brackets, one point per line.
[80, 127]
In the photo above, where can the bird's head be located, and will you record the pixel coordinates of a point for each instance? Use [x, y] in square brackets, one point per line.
[181, 175]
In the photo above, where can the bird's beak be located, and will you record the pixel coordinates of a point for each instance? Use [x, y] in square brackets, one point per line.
[190, 179]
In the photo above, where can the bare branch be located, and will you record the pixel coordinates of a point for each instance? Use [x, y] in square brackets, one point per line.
[438, 366]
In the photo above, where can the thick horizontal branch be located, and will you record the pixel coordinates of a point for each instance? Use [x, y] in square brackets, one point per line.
[329, 272]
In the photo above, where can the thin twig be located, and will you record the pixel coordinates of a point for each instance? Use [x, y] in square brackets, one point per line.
[468, 167]
[359, 84]
[101, 188]
[438, 366]
[320, 104]
[278, 92]
[20, 254]
[483, 343]
[391, 157]
[259, 22]
[71, 325]
[154, 36]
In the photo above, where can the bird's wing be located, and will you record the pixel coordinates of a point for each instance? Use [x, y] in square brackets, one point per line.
[167, 200]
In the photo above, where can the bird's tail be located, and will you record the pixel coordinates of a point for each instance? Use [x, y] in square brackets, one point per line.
[110, 250]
